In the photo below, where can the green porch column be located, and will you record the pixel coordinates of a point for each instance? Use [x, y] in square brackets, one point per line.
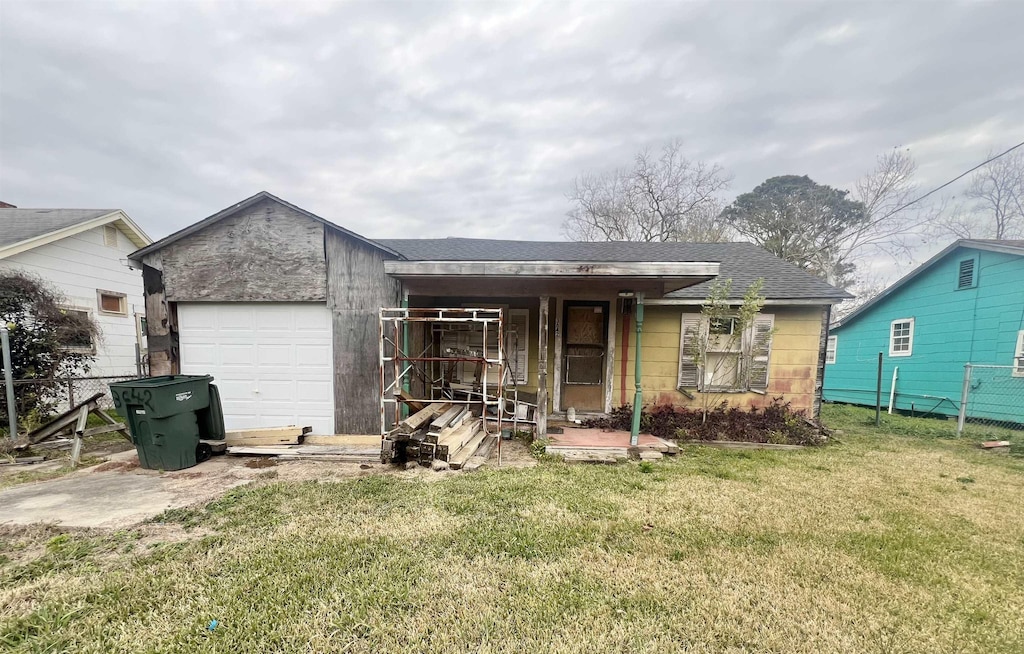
[638, 397]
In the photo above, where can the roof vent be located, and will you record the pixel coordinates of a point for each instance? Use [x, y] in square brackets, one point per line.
[966, 279]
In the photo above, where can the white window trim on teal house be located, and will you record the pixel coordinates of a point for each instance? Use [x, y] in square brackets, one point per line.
[1018, 356]
[893, 352]
[831, 346]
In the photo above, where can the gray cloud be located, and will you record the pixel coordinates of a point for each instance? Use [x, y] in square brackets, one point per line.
[472, 119]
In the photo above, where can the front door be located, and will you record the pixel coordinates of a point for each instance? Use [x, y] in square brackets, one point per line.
[585, 338]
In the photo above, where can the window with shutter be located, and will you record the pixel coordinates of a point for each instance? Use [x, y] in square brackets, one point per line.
[517, 343]
[1018, 358]
[689, 370]
[760, 340]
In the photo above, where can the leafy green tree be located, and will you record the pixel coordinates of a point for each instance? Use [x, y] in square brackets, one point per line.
[801, 221]
[46, 342]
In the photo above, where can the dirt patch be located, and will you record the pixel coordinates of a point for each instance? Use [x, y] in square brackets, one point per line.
[185, 475]
[120, 466]
[264, 462]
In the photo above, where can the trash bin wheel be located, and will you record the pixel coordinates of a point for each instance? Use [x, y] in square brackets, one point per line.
[203, 452]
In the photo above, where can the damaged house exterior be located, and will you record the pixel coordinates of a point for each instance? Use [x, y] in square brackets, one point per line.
[282, 307]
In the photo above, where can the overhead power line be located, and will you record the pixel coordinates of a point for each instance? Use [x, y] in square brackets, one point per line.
[955, 179]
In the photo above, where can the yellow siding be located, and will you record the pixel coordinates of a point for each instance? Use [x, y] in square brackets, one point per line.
[792, 370]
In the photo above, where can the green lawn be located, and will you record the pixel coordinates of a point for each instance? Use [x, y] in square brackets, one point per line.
[890, 541]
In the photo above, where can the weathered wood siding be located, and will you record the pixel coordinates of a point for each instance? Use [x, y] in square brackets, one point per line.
[356, 290]
[266, 253]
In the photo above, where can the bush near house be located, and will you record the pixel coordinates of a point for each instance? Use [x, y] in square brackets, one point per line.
[776, 423]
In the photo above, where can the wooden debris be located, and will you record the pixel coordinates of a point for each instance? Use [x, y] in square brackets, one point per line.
[459, 459]
[414, 405]
[418, 419]
[290, 435]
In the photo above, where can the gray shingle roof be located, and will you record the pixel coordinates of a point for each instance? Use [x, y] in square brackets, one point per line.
[17, 225]
[741, 262]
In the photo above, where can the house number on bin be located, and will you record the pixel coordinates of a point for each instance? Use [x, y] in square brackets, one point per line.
[136, 396]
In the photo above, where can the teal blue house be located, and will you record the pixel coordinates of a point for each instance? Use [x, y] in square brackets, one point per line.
[965, 305]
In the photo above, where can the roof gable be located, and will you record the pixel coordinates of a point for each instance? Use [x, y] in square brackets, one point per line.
[25, 229]
[1015, 248]
[241, 206]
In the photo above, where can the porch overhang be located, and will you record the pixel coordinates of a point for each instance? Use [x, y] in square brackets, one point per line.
[533, 278]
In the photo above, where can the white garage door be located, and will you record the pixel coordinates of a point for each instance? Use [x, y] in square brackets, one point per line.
[271, 361]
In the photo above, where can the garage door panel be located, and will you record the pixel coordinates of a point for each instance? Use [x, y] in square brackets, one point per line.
[271, 361]
[275, 355]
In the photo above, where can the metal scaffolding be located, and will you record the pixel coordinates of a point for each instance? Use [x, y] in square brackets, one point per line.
[433, 364]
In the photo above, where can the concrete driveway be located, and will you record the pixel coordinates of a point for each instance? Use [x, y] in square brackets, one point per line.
[91, 500]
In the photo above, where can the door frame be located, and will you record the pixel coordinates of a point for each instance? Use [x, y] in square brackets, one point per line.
[608, 307]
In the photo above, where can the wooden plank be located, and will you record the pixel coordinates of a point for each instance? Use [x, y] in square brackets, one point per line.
[414, 405]
[453, 442]
[342, 439]
[741, 445]
[63, 421]
[568, 450]
[266, 436]
[105, 417]
[420, 418]
[443, 420]
[481, 455]
[104, 429]
[76, 446]
[457, 460]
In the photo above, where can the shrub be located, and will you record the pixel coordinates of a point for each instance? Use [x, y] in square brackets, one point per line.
[775, 423]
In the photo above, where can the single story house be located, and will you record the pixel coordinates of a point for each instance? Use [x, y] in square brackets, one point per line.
[83, 253]
[964, 305]
[282, 307]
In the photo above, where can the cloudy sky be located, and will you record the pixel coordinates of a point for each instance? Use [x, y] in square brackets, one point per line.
[444, 119]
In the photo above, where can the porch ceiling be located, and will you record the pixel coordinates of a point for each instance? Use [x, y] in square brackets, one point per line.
[533, 278]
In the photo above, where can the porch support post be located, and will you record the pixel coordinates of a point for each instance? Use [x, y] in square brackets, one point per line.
[638, 397]
[542, 368]
[406, 386]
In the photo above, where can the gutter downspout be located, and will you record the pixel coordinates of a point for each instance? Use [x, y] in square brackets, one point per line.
[638, 398]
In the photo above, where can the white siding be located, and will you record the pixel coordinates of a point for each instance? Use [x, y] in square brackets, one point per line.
[80, 265]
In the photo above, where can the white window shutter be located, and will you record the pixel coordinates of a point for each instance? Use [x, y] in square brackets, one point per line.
[689, 332]
[760, 350]
[517, 343]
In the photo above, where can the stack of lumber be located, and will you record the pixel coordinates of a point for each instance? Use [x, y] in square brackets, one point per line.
[439, 432]
[338, 448]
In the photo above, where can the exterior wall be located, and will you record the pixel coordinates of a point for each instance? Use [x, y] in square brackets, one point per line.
[266, 253]
[78, 266]
[792, 366]
[357, 288]
[951, 327]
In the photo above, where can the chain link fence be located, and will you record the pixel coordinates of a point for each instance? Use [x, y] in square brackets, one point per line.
[54, 396]
[992, 402]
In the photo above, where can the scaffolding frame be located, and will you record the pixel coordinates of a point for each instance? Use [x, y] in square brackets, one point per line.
[393, 325]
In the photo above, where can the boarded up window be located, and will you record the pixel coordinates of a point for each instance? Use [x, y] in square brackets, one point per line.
[111, 302]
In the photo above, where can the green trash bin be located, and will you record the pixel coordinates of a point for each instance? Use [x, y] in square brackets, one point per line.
[164, 416]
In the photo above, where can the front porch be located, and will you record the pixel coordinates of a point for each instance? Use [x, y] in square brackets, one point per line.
[561, 325]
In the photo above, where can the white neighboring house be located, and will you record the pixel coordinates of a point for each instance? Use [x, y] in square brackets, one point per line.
[84, 254]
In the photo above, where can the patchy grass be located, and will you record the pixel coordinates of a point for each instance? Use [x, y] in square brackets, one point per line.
[875, 544]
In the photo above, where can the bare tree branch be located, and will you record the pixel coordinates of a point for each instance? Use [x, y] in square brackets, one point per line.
[661, 198]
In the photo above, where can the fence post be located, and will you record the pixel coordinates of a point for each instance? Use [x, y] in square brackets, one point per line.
[878, 394]
[964, 393]
[5, 348]
[71, 392]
